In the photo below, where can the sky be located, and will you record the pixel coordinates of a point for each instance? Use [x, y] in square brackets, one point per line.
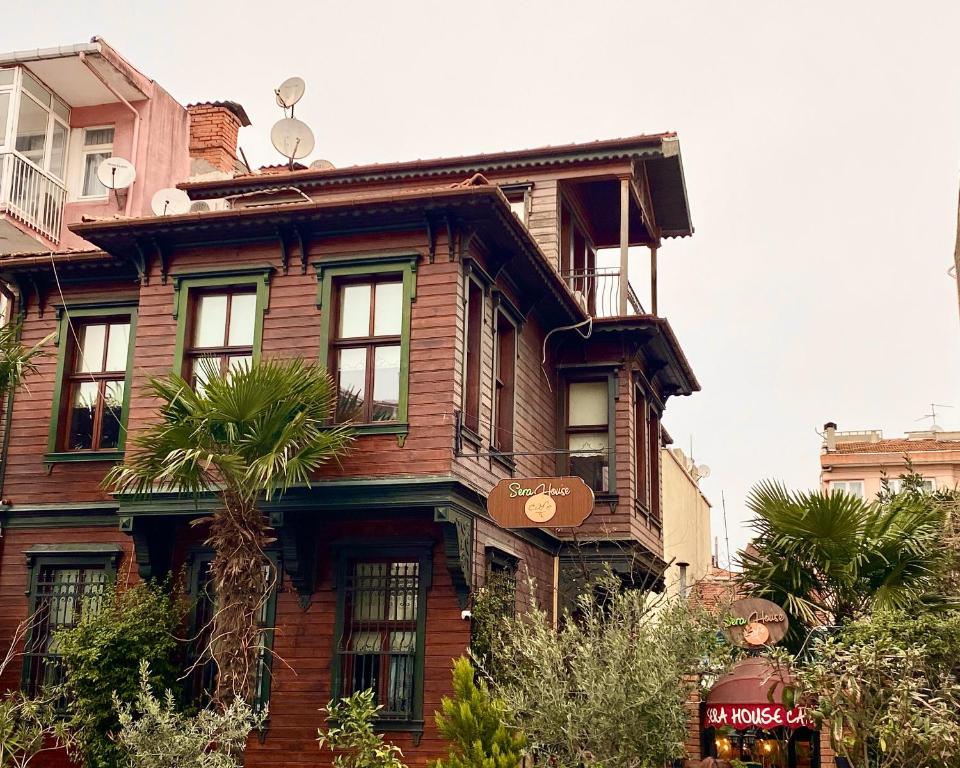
[820, 141]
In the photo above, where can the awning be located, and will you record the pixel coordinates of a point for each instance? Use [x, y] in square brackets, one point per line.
[752, 696]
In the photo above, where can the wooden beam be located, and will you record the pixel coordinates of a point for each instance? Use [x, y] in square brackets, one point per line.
[653, 280]
[624, 242]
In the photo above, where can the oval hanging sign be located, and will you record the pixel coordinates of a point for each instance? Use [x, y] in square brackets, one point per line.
[754, 622]
[540, 502]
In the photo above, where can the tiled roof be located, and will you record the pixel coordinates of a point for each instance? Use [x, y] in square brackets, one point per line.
[898, 446]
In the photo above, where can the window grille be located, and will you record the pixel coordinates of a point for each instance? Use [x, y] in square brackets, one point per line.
[379, 642]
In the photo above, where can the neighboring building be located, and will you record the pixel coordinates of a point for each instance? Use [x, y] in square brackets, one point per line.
[432, 290]
[857, 462]
[686, 523]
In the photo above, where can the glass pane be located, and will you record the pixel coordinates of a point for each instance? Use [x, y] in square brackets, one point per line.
[386, 383]
[588, 403]
[588, 443]
[589, 459]
[239, 363]
[95, 137]
[58, 150]
[82, 410]
[31, 130]
[91, 184]
[351, 380]
[519, 208]
[403, 642]
[366, 642]
[369, 585]
[90, 357]
[118, 344]
[112, 408]
[31, 84]
[203, 369]
[211, 321]
[404, 590]
[388, 309]
[242, 315]
[61, 110]
[6, 76]
[4, 112]
[354, 311]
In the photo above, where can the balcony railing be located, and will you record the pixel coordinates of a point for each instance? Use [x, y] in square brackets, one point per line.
[600, 288]
[31, 196]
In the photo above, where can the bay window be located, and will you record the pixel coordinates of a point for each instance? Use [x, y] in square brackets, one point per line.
[588, 428]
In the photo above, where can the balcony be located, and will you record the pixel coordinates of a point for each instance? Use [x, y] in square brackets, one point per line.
[31, 196]
[600, 288]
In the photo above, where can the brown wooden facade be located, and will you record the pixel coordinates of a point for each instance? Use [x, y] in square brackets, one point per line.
[510, 250]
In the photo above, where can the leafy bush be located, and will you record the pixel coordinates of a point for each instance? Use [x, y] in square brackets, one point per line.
[474, 722]
[152, 733]
[101, 657]
[350, 734]
[28, 726]
[610, 687]
[494, 604]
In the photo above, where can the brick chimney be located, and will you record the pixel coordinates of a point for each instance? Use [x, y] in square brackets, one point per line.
[214, 127]
[830, 436]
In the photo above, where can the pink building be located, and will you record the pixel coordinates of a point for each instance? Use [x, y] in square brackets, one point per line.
[857, 462]
[64, 110]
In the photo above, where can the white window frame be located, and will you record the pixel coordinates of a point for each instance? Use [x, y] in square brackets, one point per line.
[895, 484]
[13, 118]
[844, 485]
[93, 149]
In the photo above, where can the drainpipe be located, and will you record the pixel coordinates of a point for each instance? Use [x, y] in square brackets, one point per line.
[136, 124]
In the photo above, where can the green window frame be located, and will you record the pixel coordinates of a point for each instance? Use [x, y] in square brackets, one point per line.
[335, 270]
[392, 552]
[186, 284]
[56, 603]
[200, 680]
[64, 340]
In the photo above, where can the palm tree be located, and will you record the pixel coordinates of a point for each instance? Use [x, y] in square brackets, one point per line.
[829, 557]
[16, 361]
[245, 437]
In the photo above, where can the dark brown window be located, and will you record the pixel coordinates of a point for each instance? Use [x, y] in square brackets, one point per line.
[365, 349]
[504, 390]
[588, 432]
[61, 595]
[223, 325]
[380, 638]
[643, 461]
[653, 430]
[97, 368]
[473, 356]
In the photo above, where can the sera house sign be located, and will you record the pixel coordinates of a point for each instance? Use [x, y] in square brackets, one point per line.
[540, 502]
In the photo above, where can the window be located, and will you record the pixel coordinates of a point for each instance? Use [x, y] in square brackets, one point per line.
[588, 432]
[202, 671]
[518, 195]
[367, 345]
[927, 485]
[42, 121]
[365, 351]
[501, 582]
[65, 584]
[853, 487]
[472, 354]
[653, 443]
[219, 320]
[97, 147]
[381, 620]
[93, 383]
[504, 389]
[641, 447]
[223, 326]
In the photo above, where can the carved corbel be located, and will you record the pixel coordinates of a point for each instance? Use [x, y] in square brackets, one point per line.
[295, 534]
[457, 529]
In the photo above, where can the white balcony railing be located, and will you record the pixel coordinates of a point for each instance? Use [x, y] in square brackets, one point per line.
[31, 196]
[600, 288]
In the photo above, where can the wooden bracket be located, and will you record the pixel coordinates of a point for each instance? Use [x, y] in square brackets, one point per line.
[164, 261]
[457, 528]
[297, 536]
[284, 254]
[303, 250]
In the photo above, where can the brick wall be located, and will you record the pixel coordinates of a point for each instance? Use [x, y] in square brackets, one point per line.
[214, 130]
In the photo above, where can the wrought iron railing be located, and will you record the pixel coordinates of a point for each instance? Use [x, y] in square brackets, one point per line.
[31, 196]
[600, 288]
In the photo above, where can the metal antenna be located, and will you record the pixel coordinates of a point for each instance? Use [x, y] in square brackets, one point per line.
[934, 427]
[726, 534]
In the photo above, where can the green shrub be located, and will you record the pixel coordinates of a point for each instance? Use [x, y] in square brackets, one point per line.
[473, 721]
[101, 658]
[350, 734]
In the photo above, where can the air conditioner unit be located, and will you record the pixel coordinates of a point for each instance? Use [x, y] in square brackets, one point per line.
[203, 206]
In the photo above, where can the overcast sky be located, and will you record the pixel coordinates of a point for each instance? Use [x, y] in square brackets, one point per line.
[820, 140]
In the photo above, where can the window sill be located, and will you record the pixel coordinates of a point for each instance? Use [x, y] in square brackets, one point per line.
[467, 435]
[505, 460]
[381, 428]
[414, 727]
[68, 457]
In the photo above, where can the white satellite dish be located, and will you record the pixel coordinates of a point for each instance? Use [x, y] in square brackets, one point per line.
[322, 165]
[290, 92]
[170, 202]
[116, 173]
[703, 471]
[292, 138]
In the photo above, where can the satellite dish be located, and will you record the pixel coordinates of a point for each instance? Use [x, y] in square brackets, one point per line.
[292, 138]
[322, 165]
[116, 173]
[200, 206]
[170, 202]
[703, 471]
[290, 91]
